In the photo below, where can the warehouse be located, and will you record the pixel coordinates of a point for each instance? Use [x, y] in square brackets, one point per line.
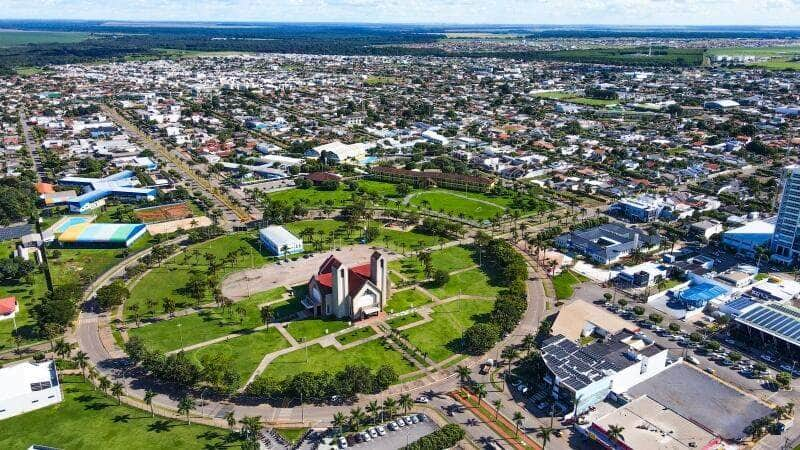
[27, 386]
[103, 234]
[120, 185]
[279, 241]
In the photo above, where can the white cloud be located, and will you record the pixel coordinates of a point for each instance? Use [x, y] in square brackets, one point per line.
[619, 12]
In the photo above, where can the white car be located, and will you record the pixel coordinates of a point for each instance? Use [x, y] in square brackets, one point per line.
[366, 436]
[422, 399]
[373, 432]
[342, 442]
[381, 431]
[400, 422]
[393, 426]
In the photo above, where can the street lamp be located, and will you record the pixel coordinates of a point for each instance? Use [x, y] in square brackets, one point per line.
[180, 332]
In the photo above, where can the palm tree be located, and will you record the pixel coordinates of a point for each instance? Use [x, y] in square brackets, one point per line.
[373, 408]
[509, 353]
[185, 406]
[390, 407]
[498, 405]
[104, 384]
[81, 359]
[529, 342]
[518, 419]
[615, 433]
[91, 376]
[463, 374]
[117, 390]
[149, 395]
[406, 403]
[169, 306]
[339, 421]
[357, 417]
[544, 434]
[62, 348]
[480, 392]
[251, 427]
[267, 314]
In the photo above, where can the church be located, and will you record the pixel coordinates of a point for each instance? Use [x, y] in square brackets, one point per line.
[354, 292]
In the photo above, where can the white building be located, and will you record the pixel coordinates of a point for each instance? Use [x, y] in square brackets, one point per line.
[28, 386]
[280, 241]
[337, 151]
[785, 242]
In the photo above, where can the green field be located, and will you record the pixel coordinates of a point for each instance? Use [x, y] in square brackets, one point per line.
[171, 277]
[27, 296]
[777, 57]
[454, 204]
[404, 320]
[87, 264]
[11, 38]
[332, 233]
[448, 259]
[407, 299]
[564, 283]
[568, 97]
[372, 354]
[470, 282]
[89, 420]
[355, 335]
[440, 338]
[309, 329]
[244, 352]
[212, 323]
[315, 197]
[380, 80]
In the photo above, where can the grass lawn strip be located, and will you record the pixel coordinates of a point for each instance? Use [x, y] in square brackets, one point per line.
[440, 338]
[355, 335]
[564, 282]
[310, 329]
[246, 351]
[471, 282]
[407, 299]
[372, 354]
[167, 335]
[89, 420]
[404, 320]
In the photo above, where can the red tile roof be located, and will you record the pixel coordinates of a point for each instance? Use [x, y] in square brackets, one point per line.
[8, 305]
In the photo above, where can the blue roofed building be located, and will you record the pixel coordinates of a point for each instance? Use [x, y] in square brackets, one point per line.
[121, 185]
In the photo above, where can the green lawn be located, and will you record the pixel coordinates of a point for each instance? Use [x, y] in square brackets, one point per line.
[75, 264]
[10, 38]
[440, 338]
[309, 329]
[564, 282]
[449, 259]
[208, 324]
[470, 282]
[569, 97]
[315, 197]
[407, 299]
[170, 279]
[245, 352]
[455, 205]
[333, 233]
[27, 296]
[404, 320]
[372, 354]
[356, 335]
[88, 419]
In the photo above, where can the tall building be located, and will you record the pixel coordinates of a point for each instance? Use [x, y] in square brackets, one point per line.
[786, 240]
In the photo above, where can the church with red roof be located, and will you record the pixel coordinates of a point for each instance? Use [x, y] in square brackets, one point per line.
[353, 292]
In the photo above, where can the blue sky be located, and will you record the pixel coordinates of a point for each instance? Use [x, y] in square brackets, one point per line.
[618, 12]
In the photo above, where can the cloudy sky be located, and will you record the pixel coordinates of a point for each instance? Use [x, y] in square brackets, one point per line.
[617, 12]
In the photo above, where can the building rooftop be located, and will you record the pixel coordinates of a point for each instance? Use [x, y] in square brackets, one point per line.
[579, 315]
[23, 378]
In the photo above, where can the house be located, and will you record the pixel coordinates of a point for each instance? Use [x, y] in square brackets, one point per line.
[28, 386]
[705, 229]
[349, 292]
[280, 241]
[8, 308]
[607, 243]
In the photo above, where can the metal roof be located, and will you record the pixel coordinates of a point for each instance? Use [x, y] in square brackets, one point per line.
[780, 321]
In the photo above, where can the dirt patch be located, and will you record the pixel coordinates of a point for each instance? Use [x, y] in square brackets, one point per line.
[164, 213]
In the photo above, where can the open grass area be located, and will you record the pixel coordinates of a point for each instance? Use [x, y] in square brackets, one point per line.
[404, 320]
[170, 279]
[448, 259]
[316, 197]
[332, 233]
[441, 337]
[372, 354]
[292, 435]
[88, 419]
[564, 283]
[569, 97]
[355, 335]
[168, 335]
[75, 264]
[407, 299]
[11, 38]
[309, 329]
[455, 204]
[27, 296]
[470, 282]
[245, 352]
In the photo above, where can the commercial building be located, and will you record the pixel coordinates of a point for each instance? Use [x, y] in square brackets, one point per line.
[120, 185]
[349, 292]
[103, 234]
[28, 386]
[432, 179]
[607, 243]
[644, 208]
[705, 229]
[773, 325]
[785, 243]
[280, 241]
[642, 275]
[747, 238]
[581, 319]
[338, 152]
[581, 376]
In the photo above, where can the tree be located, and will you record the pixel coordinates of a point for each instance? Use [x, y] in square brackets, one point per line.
[638, 310]
[117, 390]
[784, 379]
[230, 419]
[339, 421]
[615, 433]
[185, 406]
[480, 391]
[357, 417]
[544, 433]
[518, 420]
[81, 359]
[104, 384]
[529, 343]
[267, 314]
[406, 402]
[390, 407]
[674, 327]
[440, 277]
[712, 346]
[149, 395]
[622, 303]
[479, 338]
[608, 296]
[656, 318]
[112, 294]
[498, 404]
[373, 408]
[251, 428]
[464, 374]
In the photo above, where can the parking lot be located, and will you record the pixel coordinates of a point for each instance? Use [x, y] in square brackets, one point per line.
[384, 436]
[700, 398]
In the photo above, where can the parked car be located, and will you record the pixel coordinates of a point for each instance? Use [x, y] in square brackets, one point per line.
[342, 442]
[381, 431]
[400, 422]
[393, 426]
[373, 432]
[366, 436]
[768, 358]
[422, 417]
[422, 399]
